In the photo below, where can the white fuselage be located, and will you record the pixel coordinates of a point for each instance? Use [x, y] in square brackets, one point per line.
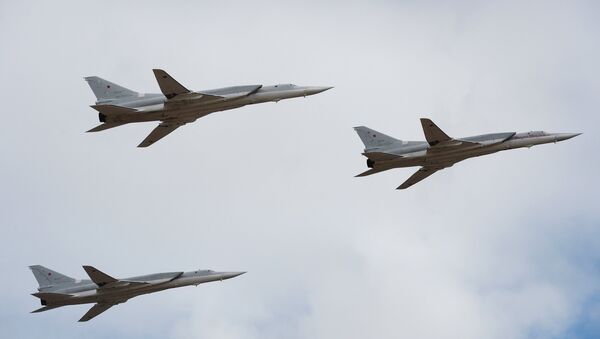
[422, 154]
[85, 291]
[154, 107]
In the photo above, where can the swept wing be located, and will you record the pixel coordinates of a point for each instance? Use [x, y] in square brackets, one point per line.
[98, 277]
[440, 141]
[433, 134]
[169, 86]
[95, 311]
[174, 91]
[105, 281]
[162, 130]
[422, 174]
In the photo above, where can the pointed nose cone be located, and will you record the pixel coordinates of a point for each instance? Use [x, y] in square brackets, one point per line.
[565, 136]
[311, 90]
[229, 275]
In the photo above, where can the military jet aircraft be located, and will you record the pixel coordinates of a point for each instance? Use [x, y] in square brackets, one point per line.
[177, 105]
[57, 290]
[440, 151]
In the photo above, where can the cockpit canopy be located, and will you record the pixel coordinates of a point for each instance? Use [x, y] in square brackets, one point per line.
[532, 134]
[536, 133]
[286, 86]
[205, 271]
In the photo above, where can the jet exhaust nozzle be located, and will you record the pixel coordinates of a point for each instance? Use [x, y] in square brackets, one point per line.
[370, 163]
[102, 117]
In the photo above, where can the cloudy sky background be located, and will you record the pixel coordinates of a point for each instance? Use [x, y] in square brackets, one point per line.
[504, 246]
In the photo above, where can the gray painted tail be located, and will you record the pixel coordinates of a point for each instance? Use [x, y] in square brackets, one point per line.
[373, 139]
[106, 91]
[47, 277]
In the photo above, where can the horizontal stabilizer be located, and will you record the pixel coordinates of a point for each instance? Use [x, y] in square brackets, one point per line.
[169, 86]
[95, 311]
[106, 126]
[98, 277]
[372, 171]
[381, 156]
[433, 134]
[45, 308]
[112, 109]
[51, 297]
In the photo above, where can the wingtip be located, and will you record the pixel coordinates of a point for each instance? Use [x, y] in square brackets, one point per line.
[363, 174]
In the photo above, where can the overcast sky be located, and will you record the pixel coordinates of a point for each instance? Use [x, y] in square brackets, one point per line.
[503, 246]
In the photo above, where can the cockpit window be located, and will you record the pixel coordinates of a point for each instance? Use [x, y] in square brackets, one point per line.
[531, 134]
[536, 133]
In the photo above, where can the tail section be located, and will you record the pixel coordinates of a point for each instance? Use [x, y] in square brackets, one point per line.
[106, 91]
[46, 308]
[51, 297]
[373, 139]
[47, 277]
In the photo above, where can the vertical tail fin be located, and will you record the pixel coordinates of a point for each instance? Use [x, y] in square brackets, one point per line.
[373, 139]
[47, 277]
[106, 91]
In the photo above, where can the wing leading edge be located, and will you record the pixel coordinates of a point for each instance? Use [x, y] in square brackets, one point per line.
[433, 134]
[419, 175]
[169, 86]
[165, 128]
[98, 277]
[422, 174]
[95, 311]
